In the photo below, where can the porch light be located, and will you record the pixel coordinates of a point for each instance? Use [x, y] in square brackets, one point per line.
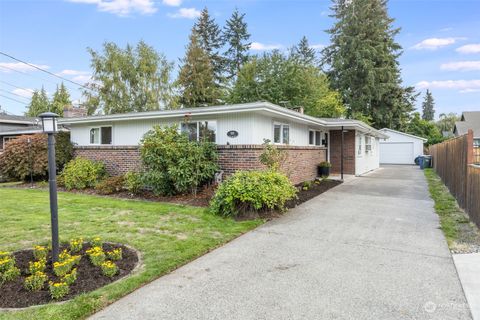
[49, 122]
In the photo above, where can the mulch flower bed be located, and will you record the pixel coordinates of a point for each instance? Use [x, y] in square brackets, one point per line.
[314, 190]
[89, 277]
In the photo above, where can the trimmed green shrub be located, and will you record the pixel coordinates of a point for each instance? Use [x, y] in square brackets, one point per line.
[173, 164]
[20, 157]
[110, 185]
[133, 182]
[252, 191]
[82, 173]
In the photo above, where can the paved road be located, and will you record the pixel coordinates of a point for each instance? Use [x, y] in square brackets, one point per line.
[368, 249]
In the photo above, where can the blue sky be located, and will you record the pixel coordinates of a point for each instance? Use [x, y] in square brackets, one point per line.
[441, 39]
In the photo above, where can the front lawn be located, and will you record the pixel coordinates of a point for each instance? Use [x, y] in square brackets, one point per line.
[167, 235]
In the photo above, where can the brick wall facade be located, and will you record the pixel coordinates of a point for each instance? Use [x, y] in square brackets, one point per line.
[300, 165]
[118, 160]
[348, 149]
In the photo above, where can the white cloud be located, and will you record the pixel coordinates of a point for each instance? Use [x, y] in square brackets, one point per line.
[317, 46]
[188, 13]
[82, 78]
[172, 3]
[27, 93]
[18, 66]
[469, 48]
[463, 85]
[434, 43]
[70, 72]
[469, 90]
[461, 66]
[122, 8]
[257, 46]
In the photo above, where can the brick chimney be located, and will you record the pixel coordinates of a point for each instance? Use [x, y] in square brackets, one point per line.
[74, 112]
[299, 109]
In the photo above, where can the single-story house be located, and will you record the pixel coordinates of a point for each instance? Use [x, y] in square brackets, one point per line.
[400, 147]
[239, 131]
[12, 126]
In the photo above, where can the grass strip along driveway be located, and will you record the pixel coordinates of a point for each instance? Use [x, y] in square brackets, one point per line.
[167, 235]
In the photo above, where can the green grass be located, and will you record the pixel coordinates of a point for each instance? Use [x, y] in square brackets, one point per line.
[167, 235]
[455, 223]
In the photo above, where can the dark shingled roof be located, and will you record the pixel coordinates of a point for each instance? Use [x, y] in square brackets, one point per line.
[470, 120]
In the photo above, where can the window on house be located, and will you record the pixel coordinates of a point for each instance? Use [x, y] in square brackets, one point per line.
[281, 133]
[311, 137]
[101, 135]
[359, 151]
[318, 138]
[315, 138]
[368, 144]
[476, 143]
[200, 130]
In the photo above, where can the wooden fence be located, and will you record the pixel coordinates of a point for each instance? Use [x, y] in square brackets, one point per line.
[453, 162]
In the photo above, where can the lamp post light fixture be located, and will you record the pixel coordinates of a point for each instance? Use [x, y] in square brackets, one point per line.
[49, 126]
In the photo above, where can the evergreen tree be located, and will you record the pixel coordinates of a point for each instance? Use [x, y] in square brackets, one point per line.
[210, 39]
[131, 79]
[236, 36]
[61, 99]
[196, 78]
[428, 111]
[363, 63]
[38, 104]
[304, 53]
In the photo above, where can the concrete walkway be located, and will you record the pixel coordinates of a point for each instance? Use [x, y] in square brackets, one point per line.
[468, 267]
[368, 249]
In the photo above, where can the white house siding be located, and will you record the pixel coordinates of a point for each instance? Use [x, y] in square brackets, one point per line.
[400, 148]
[366, 161]
[252, 128]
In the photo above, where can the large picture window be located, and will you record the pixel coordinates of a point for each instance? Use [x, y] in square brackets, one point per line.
[200, 130]
[101, 135]
[281, 133]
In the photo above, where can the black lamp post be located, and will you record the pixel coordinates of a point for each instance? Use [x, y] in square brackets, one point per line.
[49, 125]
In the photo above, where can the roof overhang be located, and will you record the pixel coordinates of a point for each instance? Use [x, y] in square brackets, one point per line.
[405, 134]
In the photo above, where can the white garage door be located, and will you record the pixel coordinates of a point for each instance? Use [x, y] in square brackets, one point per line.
[396, 153]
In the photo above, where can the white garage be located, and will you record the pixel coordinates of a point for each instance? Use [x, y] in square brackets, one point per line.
[400, 148]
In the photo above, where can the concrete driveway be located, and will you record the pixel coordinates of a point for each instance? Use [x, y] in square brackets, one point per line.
[368, 249]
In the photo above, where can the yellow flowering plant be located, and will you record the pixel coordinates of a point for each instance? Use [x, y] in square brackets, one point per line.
[76, 245]
[37, 266]
[96, 255]
[64, 256]
[109, 268]
[9, 275]
[62, 268]
[58, 289]
[96, 242]
[40, 253]
[6, 262]
[115, 254]
[36, 281]
[71, 277]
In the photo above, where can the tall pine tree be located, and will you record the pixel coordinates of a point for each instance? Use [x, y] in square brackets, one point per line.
[196, 79]
[38, 104]
[304, 53]
[428, 105]
[236, 36]
[363, 63]
[61, 99]
[210, 39]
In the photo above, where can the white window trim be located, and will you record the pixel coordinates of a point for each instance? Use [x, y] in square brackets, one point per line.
[368, 138]
[359, 139]
[322, 137]
[198, 127]
[5, 139]
[99, 136]
[281, 124]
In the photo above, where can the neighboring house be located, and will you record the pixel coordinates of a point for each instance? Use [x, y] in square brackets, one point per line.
[400, 147]
[239, 131]
[470, 120]
[12, 127]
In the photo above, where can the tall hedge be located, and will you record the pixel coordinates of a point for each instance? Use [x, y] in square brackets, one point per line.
[20, 157]
[173, 164]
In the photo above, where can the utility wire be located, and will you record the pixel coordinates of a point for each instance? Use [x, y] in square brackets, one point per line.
[1, 95]
[15, 86]
[46, 71]
[13, 93]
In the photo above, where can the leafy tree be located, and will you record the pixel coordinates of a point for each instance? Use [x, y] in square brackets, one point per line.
[196, 78]
[131, 79]
[210, 39]
[446, 123]
[61, 98]
[304, 53]
[283, 80]
[236, 36]
[423, 128]
[362, 62]
[428, 107]
[38, 104]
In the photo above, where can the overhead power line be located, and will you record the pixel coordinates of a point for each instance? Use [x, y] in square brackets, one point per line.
[15, 86]
[15, 94]
[46, 71]
[24, 103]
